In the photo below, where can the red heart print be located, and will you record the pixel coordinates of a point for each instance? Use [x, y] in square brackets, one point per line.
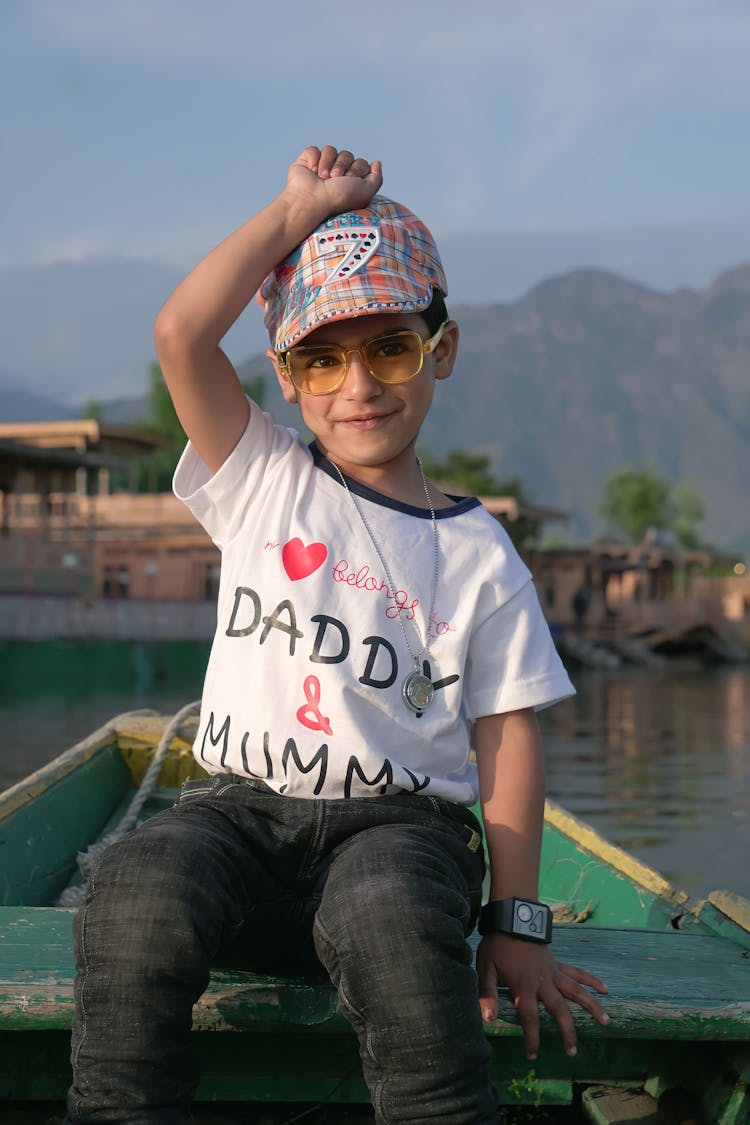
[300, 561]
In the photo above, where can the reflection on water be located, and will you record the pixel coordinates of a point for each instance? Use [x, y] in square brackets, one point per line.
[660, 763]
[52, 694]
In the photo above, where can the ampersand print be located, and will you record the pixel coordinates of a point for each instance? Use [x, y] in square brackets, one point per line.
[310, 715]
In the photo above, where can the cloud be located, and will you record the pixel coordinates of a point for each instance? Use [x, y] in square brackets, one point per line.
[491, 113]
[227, 33]
[560, 69]
[300, 42]
[79, 246]
[571, 69]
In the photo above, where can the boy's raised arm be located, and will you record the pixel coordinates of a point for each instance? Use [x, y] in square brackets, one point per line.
[206, 392]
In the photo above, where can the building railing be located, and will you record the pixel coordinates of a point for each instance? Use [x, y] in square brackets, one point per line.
[57, 510]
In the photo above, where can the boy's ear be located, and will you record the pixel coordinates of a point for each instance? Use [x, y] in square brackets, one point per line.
[446, 351]
[288, 389]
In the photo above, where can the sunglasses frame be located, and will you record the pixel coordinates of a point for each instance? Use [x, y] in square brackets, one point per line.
[428, 346]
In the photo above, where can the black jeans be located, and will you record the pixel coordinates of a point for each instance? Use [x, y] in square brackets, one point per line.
[382, 890]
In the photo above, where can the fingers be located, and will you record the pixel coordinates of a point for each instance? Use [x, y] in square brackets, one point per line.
[555, 997]
[309, 158]
[567, 981]
[375, 176]
[329, 162]
[567, 985]
[334, 163]
[583, 977]
[488, 980]
[528, 1015]
[556, 989]
[554, 1001]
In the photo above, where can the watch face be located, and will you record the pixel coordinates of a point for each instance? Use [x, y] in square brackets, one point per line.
[520, 917]
[531, 920]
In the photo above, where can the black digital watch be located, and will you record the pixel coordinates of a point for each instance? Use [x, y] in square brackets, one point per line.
[521, 917]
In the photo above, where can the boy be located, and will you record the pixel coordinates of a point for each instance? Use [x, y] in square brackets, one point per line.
[370, 629]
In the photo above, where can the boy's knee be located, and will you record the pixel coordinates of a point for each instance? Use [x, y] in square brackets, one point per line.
[138, 862]
[399, 907]
[143, 914]
[145, 881]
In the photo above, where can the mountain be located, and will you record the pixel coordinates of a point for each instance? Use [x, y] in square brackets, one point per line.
[18, 405]
[125, 411]
[83, 330]
[587, 373]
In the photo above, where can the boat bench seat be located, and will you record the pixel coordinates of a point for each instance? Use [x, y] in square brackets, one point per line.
[684, 985]
[679, 1002]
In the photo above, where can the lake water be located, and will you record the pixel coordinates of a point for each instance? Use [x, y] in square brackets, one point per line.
[659, 762]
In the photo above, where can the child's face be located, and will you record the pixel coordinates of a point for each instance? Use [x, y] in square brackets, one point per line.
[365, 423]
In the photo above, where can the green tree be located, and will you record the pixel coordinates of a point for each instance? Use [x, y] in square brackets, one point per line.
[155, 475]
[471, 472]
[689, 510]
[635, 500]
[93, 409]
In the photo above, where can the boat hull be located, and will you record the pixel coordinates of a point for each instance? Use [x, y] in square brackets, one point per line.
[678, 971]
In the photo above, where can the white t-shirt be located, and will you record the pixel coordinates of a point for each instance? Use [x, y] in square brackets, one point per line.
[303, 686]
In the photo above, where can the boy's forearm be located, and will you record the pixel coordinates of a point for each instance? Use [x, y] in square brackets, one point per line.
[203, 384]
[512, 788]
[205, 305]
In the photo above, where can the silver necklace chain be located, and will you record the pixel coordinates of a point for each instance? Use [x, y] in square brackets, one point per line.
[417, 694]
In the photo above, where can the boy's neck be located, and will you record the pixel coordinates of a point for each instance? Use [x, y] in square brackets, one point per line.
[399, 480]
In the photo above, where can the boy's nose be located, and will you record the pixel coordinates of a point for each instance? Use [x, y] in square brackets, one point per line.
[359, 382]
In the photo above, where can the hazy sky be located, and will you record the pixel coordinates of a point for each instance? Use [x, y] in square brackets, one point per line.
[531, 135]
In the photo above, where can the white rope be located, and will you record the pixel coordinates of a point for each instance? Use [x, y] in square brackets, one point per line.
[74, 893]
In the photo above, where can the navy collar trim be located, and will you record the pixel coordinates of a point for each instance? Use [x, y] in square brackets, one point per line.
[461, 504]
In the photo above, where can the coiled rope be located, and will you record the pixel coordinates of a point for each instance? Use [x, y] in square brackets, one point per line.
[73, 894]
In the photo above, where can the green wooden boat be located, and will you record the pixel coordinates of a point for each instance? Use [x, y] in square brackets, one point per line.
[678, 971]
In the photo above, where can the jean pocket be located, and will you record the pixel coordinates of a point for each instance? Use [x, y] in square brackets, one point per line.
[462, 820]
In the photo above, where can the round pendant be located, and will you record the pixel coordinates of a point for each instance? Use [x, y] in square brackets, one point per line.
[417, 691]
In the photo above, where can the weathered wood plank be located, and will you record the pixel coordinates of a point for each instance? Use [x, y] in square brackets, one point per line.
[663, 984]
[604, 1105]
[725, 914]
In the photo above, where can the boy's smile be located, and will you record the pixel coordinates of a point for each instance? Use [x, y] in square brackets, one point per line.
[367, 427]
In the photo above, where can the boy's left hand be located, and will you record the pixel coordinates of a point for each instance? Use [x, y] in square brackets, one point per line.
[532, 974]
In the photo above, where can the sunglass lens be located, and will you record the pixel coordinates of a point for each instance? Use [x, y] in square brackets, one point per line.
[316, 370]
[394, 358]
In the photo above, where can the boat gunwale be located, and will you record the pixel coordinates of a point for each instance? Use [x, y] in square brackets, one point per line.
[26, 790]
[138, 726]
[591, 841]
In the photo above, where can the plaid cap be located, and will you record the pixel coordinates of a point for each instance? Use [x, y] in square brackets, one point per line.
[378, 259]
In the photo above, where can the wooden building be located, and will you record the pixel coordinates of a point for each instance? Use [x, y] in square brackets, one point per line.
[64, 533]
[610, 586]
